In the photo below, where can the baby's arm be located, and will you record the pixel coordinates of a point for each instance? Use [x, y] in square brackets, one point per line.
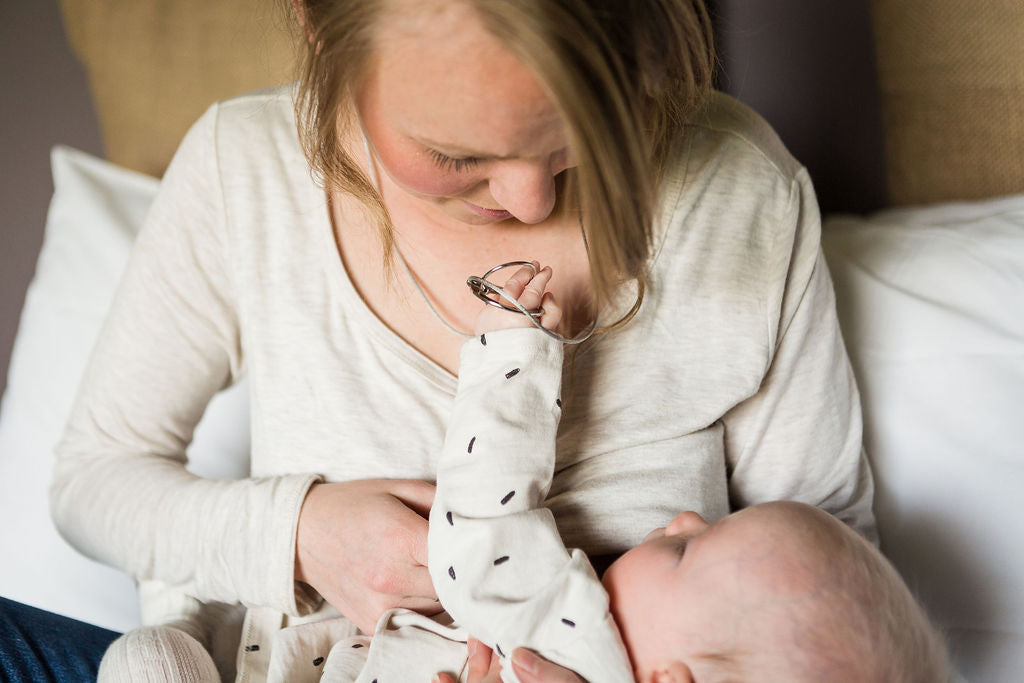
[496, 557]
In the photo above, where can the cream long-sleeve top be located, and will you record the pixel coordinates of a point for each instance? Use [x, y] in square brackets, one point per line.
[730, 387]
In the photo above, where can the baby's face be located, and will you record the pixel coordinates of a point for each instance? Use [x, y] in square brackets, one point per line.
[712, 602]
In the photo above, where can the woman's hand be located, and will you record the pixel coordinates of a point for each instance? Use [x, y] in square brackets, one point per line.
[485, 667]
[363, 546]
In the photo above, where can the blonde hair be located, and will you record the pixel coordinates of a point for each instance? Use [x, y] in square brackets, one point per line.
[625, 76]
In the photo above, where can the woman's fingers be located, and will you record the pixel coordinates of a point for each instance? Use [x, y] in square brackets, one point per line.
[479, 660]
[532, 668]
[412, 535]
[416, 589]
[362, 546]
[483, 665]
[418, 495]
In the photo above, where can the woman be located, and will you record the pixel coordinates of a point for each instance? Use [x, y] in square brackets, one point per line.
[579, 134]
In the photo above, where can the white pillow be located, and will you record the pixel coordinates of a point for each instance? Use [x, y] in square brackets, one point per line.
[94, 215]
[931, 303]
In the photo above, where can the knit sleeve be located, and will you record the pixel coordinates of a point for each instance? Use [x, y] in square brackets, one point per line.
[121, 493]
[799, 436]
[496, 558]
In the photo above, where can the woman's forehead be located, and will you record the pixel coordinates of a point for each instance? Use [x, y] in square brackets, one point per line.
[455, 80]
[424, 18]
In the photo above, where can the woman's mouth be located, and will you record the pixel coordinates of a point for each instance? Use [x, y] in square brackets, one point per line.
[493, 214]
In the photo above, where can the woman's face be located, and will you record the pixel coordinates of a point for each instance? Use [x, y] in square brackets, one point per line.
[457, 122]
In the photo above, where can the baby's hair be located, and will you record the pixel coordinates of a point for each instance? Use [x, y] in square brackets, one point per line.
[866, 620]
[908, 647]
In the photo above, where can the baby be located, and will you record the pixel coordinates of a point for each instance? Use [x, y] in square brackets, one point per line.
[778, 591]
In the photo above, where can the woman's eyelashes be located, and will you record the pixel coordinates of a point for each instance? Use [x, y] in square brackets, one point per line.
[448, 163]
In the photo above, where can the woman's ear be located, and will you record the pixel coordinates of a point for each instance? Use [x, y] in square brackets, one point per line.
[672, 672]
[300, 16]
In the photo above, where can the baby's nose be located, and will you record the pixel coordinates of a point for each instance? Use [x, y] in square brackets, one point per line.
[687, 522]
[657, 533]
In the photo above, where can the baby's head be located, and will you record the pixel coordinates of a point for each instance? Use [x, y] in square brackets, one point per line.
[778, 591]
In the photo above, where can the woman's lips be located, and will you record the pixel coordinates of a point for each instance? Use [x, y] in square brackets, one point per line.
[493, 214]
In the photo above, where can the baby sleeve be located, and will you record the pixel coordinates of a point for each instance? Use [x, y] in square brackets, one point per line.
[495, 556]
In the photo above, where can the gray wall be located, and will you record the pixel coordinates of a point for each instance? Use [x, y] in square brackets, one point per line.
[44, 102]
[808, 66]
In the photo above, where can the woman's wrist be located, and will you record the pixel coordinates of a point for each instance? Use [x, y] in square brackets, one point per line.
[306, 511]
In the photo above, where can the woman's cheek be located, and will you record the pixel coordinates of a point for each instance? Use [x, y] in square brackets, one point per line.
[422, 176]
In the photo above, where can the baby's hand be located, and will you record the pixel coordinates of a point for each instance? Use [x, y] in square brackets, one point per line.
[528, 289]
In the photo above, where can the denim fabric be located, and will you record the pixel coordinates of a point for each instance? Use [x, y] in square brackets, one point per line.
[36, 645]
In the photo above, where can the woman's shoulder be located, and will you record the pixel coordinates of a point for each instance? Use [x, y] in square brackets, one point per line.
[728, 130]
[734, 201]
[730, 167]
[255, 120]
[233, 133]
[245, 141]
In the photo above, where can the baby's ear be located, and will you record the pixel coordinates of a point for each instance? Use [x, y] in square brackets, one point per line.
[672, 672]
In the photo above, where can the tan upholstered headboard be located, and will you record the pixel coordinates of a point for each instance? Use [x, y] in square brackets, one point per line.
[951, 79]
[951, 76]
[155, 65]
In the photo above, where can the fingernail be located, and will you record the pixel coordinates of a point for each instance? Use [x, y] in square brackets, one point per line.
[473, 646]
[435, 679]
[525, 660]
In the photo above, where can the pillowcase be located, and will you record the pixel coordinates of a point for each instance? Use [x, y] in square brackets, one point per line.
[931, 303]
[94, 215]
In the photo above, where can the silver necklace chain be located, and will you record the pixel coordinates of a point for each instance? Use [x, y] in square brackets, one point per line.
[426, 299]
[530, 315]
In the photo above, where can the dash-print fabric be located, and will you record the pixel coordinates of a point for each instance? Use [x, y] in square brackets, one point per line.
[496, 558]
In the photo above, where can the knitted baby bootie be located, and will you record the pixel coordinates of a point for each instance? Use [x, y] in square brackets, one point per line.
[157, 654]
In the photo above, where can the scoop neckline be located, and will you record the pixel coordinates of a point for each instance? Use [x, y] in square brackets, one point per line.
[376, 328]
[395, 343]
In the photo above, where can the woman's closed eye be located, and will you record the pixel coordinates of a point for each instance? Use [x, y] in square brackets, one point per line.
[451, 163]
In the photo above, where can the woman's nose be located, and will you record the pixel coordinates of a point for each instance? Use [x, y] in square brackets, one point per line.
[526, 189]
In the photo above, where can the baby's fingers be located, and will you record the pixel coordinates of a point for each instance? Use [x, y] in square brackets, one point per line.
[533, 292]
[515, 285]
[552, 317]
